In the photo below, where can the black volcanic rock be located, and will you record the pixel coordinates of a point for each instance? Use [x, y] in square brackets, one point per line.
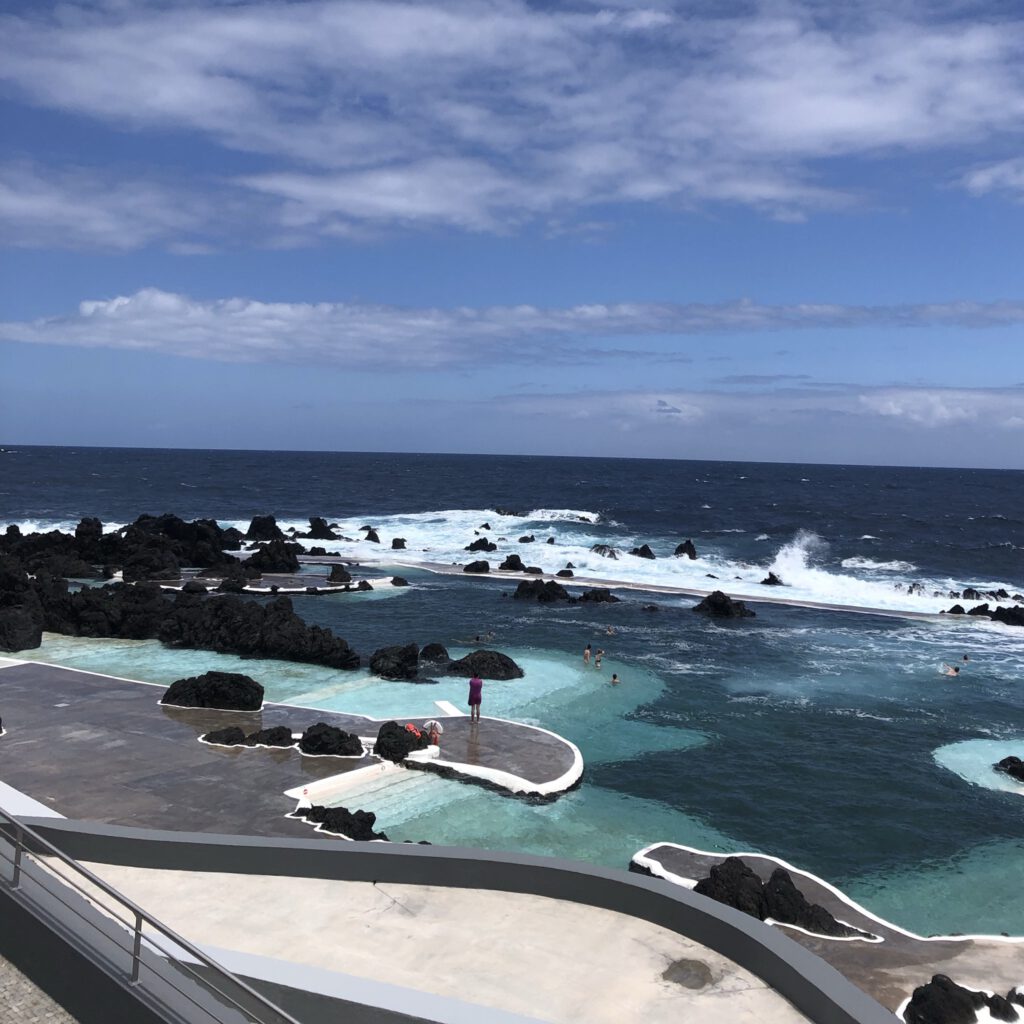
[277, 556]
[88, 535]
[319, 530]
[598, 595]
[193, 587]
[513, 564]
[541, 590]
[397, 543]
[943, 1001]
[151, 560]
[479, 566]
[527, 539]
[771, 580]
[21, 628]
[372, 537]
[396, 662]
[720, 606]
[264, 528]
[686, 548]
[565, 573]
[1012, 766]
[788, 905]
[399, 581]
[232, 625]
[227, 691]
[435, 655]
[355, 825]
[481, 544]
[550, 540]
[232, 736]
[957, 609]
[970, 594]
[395, 742]
[275, 736]
[733, 883]
[486, 665]
[644, 551]
[324, 739]
[605, 551]
[1008, 616]
[339, 574]
[534, 570]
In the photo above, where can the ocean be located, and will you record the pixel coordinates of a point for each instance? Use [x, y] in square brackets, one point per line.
[828, 737]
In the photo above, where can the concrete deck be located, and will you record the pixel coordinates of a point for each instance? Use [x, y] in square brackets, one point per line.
[103, 749]
[26, 1003]
[888, 970]
[549, 959]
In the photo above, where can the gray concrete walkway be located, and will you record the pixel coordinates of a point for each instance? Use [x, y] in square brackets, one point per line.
[103, 749]
[551, 959]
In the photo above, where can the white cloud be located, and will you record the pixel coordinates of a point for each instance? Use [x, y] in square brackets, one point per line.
[380, 336]
[944, 407]
[1005, 176]
[481, 113]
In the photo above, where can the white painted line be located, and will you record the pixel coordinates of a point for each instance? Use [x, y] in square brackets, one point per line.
[10, 662]
[449, 708]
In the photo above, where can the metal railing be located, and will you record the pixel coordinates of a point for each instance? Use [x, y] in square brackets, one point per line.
[169, 972]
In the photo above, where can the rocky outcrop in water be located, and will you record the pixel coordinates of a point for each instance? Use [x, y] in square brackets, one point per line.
[943, 1001]
[771, 580]
[226, 691]
[372, 536]
[319, 530]
[527, 539]
[264, 528]
[481, 544]
[598, 595]
[686, 548]
[566, 574]
[399, 581]
[277, 556]
[513, 564]
[480, 566]
[1012, 615]
[397, 543]
[720, 606]
[486, 665]
[604, 550]
[644, 551]
[323, 740]
[434, 655]
[400, 662]
[1012, 766]
[233, 736]
[339, 574]
[735, 884]
[544, 591]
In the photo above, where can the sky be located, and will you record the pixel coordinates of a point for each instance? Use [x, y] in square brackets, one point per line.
[718, 230]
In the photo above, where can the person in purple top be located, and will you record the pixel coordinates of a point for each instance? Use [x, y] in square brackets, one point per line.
[476, 687]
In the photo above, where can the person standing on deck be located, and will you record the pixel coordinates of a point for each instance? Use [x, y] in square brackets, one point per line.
[476, 687]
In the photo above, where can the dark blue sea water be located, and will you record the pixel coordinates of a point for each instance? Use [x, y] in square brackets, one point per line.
[826, 737]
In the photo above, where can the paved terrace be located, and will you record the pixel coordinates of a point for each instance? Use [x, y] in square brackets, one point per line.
[103, 749]
[546, 959]
[889, 970]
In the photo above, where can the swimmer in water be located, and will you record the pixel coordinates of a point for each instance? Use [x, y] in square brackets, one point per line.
[951, 670]
[610, 631]
[615, 680]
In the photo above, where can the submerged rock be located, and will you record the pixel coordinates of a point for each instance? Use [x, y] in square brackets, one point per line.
[604, 550]
[598, 595]
[721, 606]
[228, 691]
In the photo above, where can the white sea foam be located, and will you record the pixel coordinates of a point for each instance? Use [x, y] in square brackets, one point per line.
[859, 562]
[972, 760]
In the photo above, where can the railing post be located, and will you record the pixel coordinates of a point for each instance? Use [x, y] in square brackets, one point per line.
[137, 949]
[19, 846]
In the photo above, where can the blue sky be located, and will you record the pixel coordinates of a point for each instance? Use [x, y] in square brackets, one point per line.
[782, 231]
